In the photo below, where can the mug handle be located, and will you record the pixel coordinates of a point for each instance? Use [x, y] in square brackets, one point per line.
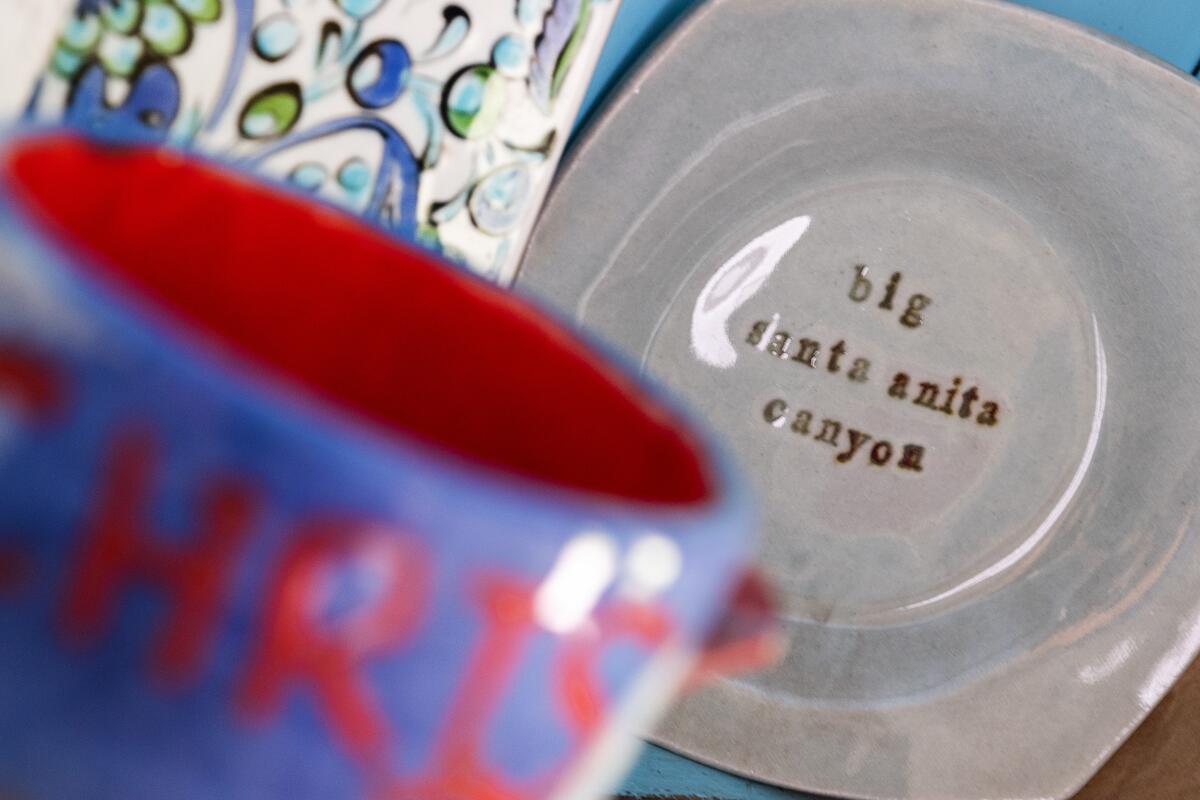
[747, 637]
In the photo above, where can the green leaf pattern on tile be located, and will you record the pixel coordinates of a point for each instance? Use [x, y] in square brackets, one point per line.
[337, 74]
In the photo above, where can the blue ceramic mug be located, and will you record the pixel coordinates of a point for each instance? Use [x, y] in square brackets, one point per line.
[289, 509]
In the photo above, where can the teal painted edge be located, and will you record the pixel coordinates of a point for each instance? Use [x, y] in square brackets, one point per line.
[1170, 29]
[637, 26]
[661, 773]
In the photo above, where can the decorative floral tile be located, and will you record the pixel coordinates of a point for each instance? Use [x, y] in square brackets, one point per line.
[441, 121]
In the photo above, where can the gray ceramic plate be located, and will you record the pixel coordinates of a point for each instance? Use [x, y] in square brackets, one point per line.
[933, 268]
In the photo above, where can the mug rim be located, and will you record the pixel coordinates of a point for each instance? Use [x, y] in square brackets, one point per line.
[481, 536]
[272, 393]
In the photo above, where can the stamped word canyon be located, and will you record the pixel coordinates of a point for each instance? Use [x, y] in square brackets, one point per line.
[950, 398]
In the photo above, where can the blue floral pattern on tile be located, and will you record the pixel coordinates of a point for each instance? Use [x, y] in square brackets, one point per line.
[440, 122]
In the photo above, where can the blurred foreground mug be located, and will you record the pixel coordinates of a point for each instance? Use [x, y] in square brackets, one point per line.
[291, 510]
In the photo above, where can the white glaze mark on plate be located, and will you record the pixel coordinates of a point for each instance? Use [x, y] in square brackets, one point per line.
[733, 284]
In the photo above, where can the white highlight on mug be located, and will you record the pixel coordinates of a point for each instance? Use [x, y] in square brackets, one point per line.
[733, 284]
[585, 567]
[652, 565]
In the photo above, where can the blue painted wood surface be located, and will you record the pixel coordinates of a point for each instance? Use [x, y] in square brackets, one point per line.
[1170, 29]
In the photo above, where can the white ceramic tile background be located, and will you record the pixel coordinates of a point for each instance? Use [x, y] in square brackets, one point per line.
[440, 120]
[25, 37]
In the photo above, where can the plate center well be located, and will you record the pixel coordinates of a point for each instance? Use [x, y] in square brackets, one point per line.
[910, 377]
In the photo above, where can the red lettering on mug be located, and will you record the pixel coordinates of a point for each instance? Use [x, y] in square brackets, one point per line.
[458, 768]
[31, 380]
[33, 386]
[118, 549]
[15, 570]
[298, 647]
[579, 691]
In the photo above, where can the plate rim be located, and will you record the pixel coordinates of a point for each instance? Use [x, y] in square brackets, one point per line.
[661, 49]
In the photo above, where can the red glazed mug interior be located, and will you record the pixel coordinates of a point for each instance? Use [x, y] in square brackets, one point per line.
[212, 297]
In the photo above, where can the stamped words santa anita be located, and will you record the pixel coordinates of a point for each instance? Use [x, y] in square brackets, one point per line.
[944, 398]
